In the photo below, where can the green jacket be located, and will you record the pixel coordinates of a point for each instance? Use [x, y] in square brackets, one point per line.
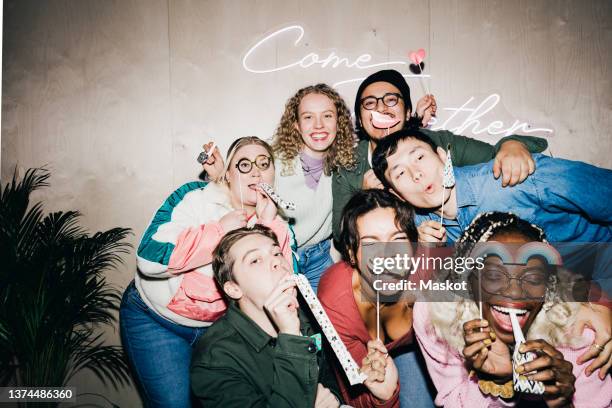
[237, 364]
[464, 150]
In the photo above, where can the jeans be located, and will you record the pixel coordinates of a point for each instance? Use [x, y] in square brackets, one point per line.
[314, 260]
[159, 352]
[416, 388]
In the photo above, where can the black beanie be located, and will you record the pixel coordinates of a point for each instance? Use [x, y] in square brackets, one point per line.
[387, 75]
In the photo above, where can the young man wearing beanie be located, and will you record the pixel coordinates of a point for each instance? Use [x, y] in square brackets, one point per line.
[264, 350]
[387, 93]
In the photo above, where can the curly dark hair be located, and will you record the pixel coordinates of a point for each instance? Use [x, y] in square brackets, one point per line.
[362, 203]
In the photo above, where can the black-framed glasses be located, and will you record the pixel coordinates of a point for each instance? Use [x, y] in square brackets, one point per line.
[496, 280]
[389, 99]
[262, 162]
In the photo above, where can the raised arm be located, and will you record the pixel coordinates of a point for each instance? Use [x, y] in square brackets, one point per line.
[446, 368]
[467, 151]
[512, 154]
[285, 236]
[357, 396]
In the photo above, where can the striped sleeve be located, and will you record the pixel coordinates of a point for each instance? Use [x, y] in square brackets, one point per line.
[174, 242]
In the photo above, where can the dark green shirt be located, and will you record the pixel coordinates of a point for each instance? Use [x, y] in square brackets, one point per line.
[464, 150]
[237, 364]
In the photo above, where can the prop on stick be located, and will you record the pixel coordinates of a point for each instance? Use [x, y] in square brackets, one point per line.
[448, 179]
[382, 121]
[417, 58]
[203, 156]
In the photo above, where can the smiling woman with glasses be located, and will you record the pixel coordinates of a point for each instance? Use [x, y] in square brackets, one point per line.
[470, 359]
[174, 298]
[495, 279]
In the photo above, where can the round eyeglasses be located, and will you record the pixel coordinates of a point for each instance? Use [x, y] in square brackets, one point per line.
[388, 99]
[262, 162]
[495, 280]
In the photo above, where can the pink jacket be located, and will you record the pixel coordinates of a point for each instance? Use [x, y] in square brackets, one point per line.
[175, 277]
[455, 389]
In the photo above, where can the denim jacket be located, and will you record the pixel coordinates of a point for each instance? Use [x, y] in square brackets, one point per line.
[568, 199]
[465, 151]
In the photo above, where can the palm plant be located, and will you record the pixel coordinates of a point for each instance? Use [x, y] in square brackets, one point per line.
[54, 296]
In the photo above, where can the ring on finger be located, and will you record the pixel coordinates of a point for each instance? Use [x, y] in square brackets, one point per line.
[598, 347]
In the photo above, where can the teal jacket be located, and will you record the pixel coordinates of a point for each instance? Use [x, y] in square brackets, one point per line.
[237, 364]
[464, 150]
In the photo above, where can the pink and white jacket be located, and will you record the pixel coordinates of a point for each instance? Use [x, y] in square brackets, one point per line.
[455, 388]
[175, 277]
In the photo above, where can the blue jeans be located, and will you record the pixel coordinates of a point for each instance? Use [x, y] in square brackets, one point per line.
[314, 260]
[159, 352]
[416, 388]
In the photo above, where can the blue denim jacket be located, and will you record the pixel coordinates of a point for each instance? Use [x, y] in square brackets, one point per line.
[568, 199]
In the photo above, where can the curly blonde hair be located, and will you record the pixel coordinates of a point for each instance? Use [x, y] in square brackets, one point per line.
[288, 142]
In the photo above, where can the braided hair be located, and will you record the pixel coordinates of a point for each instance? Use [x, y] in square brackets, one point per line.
[485, 225]
[557, 314]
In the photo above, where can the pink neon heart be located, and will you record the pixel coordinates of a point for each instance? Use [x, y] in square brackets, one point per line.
[419, 56]
[413, 57]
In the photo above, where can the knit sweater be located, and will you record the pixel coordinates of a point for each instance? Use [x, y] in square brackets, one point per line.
[312, 218]
[175, 277]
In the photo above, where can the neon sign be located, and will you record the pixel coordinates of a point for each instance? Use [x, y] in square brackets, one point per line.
[311, 58]
[472, 122]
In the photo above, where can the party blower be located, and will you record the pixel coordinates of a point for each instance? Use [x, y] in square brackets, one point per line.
[284, 204]
[345, 359]
[521, 382]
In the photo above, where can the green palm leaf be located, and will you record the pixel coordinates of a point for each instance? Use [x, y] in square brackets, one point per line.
[54, 296]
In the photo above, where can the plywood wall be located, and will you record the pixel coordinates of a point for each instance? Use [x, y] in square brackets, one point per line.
[116, 97]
